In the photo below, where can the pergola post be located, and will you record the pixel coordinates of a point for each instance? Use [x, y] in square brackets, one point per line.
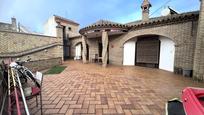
[105, 48]
[84, 52]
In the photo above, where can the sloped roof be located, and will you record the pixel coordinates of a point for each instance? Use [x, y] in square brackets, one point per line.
[104, 24]
[67, 20]
[152, 21]
[166, 19]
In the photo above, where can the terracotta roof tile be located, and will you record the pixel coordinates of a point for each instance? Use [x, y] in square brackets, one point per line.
[164, 18]
[156, 20]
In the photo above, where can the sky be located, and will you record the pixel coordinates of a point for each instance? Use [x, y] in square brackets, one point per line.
[34, 13]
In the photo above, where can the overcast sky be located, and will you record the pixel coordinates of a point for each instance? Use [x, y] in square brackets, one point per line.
[34, 13]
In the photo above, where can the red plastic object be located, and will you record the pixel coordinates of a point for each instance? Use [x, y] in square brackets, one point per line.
[193, 101]
[35, 90]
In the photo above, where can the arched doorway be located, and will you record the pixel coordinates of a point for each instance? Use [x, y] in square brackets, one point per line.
[78, 51]
[150, 51]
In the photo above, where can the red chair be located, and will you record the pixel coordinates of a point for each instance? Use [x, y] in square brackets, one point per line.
[36, 91]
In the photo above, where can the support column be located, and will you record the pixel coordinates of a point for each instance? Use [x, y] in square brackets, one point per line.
[198, 67]
[59, 35]
[105, 48]
[84, 52]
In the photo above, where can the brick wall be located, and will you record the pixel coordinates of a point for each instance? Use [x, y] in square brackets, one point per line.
[199, 53]
[16, 42]
[37, 47]
[49, 53]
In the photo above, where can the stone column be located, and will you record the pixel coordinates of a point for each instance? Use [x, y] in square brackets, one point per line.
[198, 67]
[105, 48]
[84, 52]
[59, 32]
[59, 35]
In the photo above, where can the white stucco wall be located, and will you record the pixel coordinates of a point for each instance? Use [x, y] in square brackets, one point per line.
[50, 27]
[78, 51]
[129, 53]
[167, 54]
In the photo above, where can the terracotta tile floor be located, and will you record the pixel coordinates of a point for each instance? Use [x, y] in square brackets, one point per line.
[91, 89]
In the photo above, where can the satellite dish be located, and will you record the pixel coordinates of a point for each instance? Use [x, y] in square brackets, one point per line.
[165, 12]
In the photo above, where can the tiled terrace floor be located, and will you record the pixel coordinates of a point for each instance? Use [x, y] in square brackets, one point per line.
[91, 89]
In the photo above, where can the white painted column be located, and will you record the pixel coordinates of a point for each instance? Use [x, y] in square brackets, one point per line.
[84, 53]
[105, 48]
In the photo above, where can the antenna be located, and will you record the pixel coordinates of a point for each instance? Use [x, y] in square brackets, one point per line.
[19, 27]
[161, 7]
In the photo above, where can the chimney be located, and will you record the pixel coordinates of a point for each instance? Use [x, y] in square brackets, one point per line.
[145, 10]
[13, 23]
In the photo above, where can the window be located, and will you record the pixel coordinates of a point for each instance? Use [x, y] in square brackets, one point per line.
[69, 28]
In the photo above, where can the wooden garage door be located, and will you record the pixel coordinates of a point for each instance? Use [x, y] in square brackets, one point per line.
[147, 53]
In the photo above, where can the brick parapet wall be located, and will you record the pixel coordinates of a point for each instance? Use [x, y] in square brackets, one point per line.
[11, 42]
[7, 27]
[37, 47]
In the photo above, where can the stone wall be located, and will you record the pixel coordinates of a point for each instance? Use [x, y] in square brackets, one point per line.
[43, 64]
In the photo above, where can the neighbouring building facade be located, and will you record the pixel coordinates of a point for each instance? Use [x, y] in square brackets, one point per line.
[69, 29]
[9, 27]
